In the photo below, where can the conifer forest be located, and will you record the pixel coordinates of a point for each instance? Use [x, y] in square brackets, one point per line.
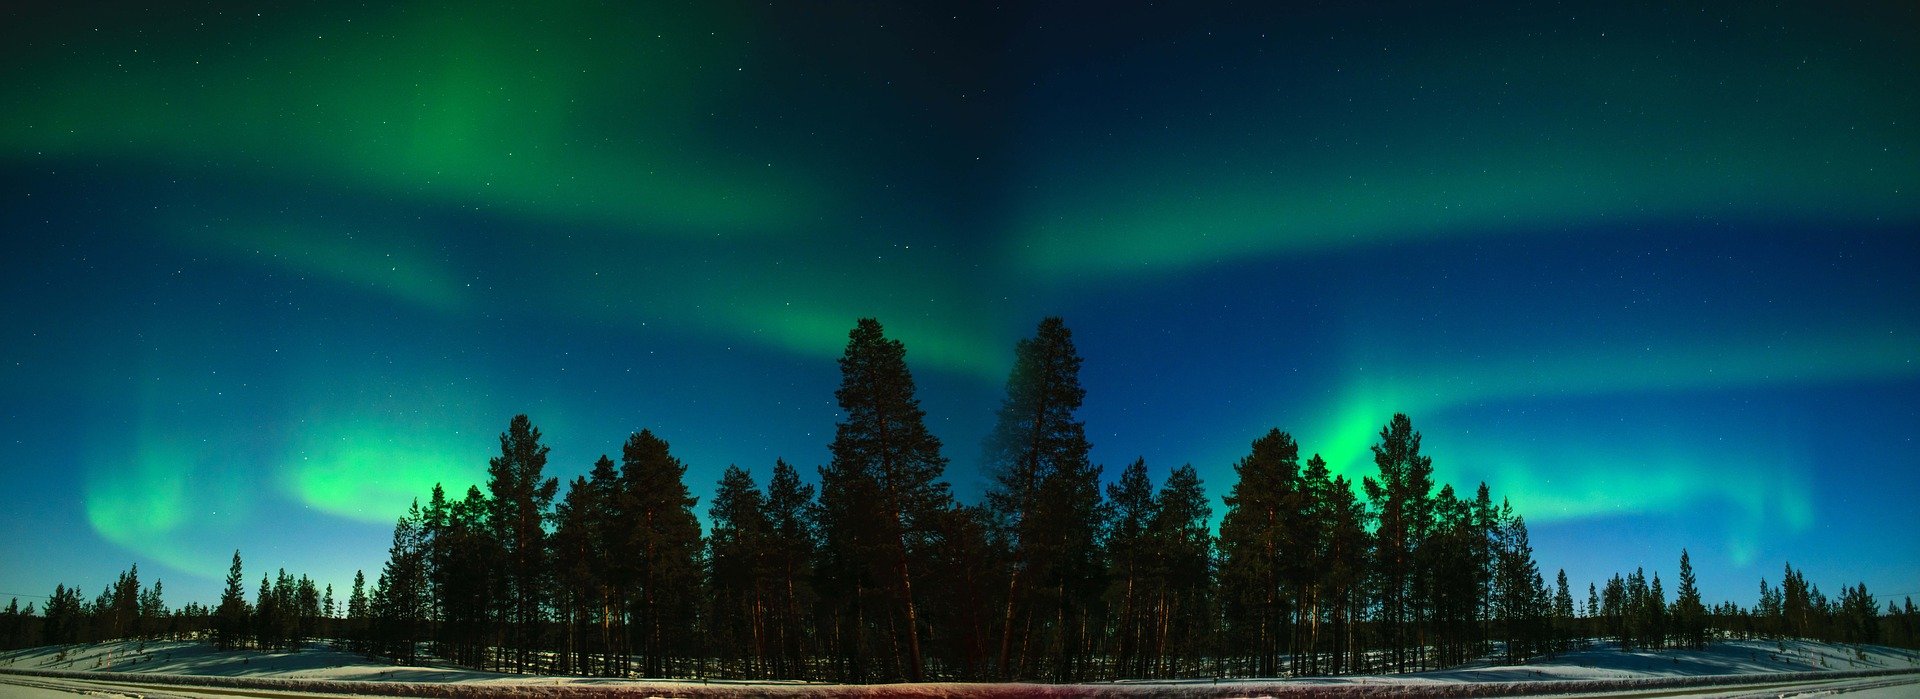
[867, 568]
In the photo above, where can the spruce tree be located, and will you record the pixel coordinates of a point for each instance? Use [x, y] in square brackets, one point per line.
[1563, 613]
[232, 616]
[1688, 612]
[358, 612]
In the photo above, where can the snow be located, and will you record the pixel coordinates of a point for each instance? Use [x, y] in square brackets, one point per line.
[321, 670]
[1724, 658]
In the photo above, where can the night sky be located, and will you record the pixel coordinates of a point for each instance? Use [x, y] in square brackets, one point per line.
[271, 271]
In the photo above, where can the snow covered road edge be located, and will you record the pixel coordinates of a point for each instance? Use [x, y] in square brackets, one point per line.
[970, 690]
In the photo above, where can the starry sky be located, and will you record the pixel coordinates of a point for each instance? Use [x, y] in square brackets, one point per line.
[271, 271]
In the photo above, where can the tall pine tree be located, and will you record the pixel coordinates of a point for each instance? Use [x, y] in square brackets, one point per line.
[1402, 505]
[519, 506]
[1045, 503]
[880, 496]
[661, 538]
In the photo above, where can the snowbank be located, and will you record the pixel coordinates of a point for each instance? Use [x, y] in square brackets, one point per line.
[321, 670]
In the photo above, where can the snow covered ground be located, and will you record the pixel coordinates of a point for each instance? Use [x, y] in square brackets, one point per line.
[321, 670]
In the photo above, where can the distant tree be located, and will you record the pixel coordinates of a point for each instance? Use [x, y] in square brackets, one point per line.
[357, 613]
[1593, 602]
[13, 626]
[1689, 615]
[1796, 608]
[154, 616]
[233, 616]
[1563, 613]
[1859, 615]
[1451, 583]
[1909, 623]
[1348, 549]
[120, 616]
[1656, 612]
[62, 616]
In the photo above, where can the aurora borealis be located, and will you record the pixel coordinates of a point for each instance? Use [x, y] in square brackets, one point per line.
[273, 271]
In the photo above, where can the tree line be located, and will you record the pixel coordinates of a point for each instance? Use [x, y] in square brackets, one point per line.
[878, 573]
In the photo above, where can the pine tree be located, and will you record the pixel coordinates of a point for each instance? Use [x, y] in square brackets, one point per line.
[154, 616]
[1183, 549]
[658, 529]
[740, 571]
[1133, 571]
[1519, 581]
[1402, 509]
[1254, 536]
[966, 608]
[794, 542]
[1348, 554]
[402, 605]
[1859, 615]
[60, 623]
[577, 553]
[1044, 500]
[520, 502]
[879, 495]
[233, 615]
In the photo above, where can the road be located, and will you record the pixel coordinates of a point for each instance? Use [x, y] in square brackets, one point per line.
[17, 687]
[1903, 687]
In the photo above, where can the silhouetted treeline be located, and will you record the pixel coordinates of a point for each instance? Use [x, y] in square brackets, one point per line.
[285, 614]
[877, 573]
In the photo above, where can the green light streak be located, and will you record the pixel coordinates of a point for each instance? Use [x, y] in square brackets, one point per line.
[367, 471]
[1432, 142]
[1813, 355]
[474, 107]
[175, 489]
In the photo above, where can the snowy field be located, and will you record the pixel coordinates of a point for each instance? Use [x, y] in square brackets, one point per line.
[1862, 671]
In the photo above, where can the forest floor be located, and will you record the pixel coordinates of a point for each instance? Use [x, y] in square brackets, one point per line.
[1600, 669]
